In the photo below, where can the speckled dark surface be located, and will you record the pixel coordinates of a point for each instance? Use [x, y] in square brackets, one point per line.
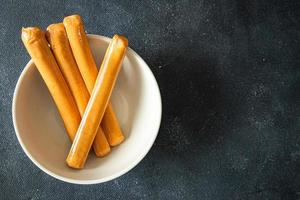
[229, 75]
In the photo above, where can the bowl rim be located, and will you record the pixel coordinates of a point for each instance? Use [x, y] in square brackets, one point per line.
[146, 68]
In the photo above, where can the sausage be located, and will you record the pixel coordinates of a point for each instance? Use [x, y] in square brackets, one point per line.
[88, 69]
[37, 46]
[98, 102]
[57, 38]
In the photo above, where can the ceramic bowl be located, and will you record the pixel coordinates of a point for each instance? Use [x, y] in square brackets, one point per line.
[40, 131]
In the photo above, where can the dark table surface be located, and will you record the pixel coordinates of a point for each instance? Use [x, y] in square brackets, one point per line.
[229, 75]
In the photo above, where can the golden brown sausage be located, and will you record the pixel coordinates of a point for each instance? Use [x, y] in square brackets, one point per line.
[37, 46]
[85, 61]
[98, 102]
[57, 38]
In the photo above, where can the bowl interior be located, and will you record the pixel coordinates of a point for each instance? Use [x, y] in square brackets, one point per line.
[137, 103]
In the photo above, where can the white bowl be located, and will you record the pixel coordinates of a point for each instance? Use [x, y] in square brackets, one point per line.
[40, 131]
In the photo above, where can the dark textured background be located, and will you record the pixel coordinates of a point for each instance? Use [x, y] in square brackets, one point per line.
[229, 75]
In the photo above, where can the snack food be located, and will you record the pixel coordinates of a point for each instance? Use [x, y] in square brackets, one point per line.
[87, 67]
[57, 38]
[37, 46]
[98, 102]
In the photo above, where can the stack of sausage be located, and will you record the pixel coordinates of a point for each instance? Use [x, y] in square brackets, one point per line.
[64, 59]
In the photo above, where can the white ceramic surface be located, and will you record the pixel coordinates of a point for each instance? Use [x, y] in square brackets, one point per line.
[40, 131]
